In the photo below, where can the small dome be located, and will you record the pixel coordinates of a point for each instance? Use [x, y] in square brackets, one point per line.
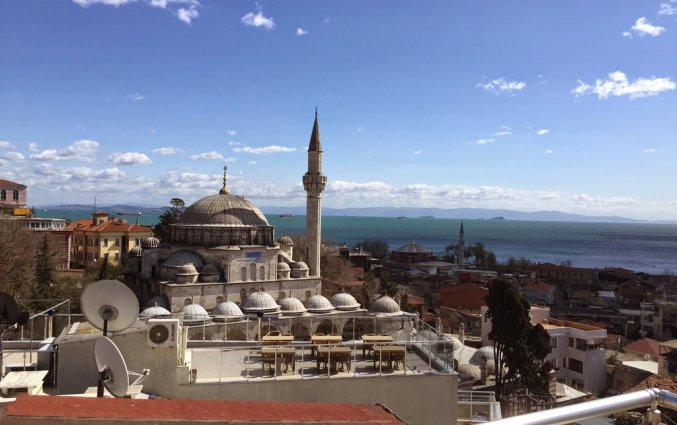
[485, 352]
[292, 306]
[186, 270]
[299, 265]
[282, 266]
[155, 311]
[285, 241]
[344, 301]
[158, 301]
[260, 301]
[184, 256]
[318, 304]
[385, 304]
[228, 309]
[194, 312]
[456, 343]
[137, 251]
[210, 269]
[412, 248]
[150, 242]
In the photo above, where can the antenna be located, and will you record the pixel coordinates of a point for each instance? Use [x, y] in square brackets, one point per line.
[10, 315]
[109, 305]
[113, 372]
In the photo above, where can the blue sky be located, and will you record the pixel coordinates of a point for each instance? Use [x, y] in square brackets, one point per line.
[527, 105]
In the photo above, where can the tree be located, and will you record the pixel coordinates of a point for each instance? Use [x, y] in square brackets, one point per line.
[334, 269]
[519, 347]
[163, 229]
[378, 248]
[44, 270]
[482, 258]
[369, 290]
[17, 258]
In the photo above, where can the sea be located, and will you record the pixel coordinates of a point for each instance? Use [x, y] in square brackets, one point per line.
[642, 247]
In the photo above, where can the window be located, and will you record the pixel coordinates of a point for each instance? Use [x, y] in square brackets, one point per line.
[553, 342]
[117, 241]
[3, 195]
[252, 271]
[564, 363]
[571, 342]
[555, 363]
[15, 195]
[243, 274]
[117, 255]
[262, 273]
[105, 241]
[576, 366]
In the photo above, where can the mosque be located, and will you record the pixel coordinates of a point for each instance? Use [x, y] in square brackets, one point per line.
[223, 249]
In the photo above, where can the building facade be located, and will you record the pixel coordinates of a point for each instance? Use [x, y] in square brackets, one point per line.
[12, 196]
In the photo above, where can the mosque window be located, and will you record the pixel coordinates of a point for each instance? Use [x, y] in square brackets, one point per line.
[243, 274]
[252, 271]
[262, 273]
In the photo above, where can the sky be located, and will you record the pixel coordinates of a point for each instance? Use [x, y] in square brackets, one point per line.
[521, 104]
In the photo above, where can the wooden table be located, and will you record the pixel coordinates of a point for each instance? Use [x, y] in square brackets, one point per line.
[276, 356]
[30, 380]
[392, 353]
[332, 355]
[277, 339]
[324, 339]
[368, 341]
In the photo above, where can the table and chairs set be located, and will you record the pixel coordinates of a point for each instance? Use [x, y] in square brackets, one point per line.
[329, 353]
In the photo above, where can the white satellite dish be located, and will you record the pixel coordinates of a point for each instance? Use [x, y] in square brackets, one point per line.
[109, 305]
[111, 366]
[113, 372]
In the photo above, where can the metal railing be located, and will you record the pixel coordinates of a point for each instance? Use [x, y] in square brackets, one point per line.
[652, 398]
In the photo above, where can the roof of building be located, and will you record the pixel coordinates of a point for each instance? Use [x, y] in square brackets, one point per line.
[655, 381]
[384, 305]
[344, 301]
[234, 412]
[319, 304]
[7, 183]
[183, 256]
[463, 296]
[413, 248]
[116, 225]
[223, 210]
[292, 306]
[194, 312]
[645, 365]
[227, 308]
[260, 301]
[645, 346]
[539, 286]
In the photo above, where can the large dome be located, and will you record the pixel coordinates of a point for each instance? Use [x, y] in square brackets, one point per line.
[223, 210]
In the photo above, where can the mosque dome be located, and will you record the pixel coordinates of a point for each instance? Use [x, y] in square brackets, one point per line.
[150, 242]
[182, 257]
[137, 251]
[223, 210]
[260, 301]
[318, 304]
[344, 301]
[292, 306]
[413, 248]
[386, 305]
[158, 301]
[186, 270]
[155, 311]
[299, 265]
[194, 312]
[285, 240]
[228, 309]
[282, 266]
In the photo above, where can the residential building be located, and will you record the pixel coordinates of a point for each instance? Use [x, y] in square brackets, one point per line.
[646, 348]
[538, 292]
[94, 239]
[12, 197]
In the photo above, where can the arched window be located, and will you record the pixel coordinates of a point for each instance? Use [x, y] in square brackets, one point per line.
[243, 274]
[252, 271]
[187, 301]
[262, 273]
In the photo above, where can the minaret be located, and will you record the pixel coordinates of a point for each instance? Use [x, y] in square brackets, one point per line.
[224, 190]
[314, 183]
[461, 247]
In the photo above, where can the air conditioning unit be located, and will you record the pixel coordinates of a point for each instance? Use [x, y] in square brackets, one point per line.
[163, 333]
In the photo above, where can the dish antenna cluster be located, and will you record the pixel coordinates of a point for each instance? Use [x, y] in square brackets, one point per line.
[109, 305]
[10, 316]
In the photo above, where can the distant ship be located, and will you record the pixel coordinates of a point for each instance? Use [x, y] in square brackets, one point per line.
[286, 215]
[401, 217]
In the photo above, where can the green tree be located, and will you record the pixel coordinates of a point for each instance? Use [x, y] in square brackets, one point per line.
[17, 258]
[377, 247]
[369, 290]
[163, 229]
[44, 270]
[519, 347]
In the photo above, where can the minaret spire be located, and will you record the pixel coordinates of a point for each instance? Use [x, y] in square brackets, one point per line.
[224, 190]
[461, 246]
[314, 183]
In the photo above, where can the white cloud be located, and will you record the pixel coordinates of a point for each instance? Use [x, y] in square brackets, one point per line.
[649, 150]
[207, 155]
[482, 141]
[626, 34]
[13, 156]
[644, 27]
[3, 162]
[258, 20]
[301, 31]
[252, 162]
[6, 144]
[82, 150]
[231, 132]
[135, 97]
[543, 132]
[129, 158]
[169, 150]
[33, 147]
[617, 84]
[501, 85]
[548, 151]
[185, 10]
[231, 143]
[264, 150]
[418, 152]
[504, 131]
[326, 20]
[668, 8]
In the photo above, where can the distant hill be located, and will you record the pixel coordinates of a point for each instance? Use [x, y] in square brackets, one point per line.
[456, 213]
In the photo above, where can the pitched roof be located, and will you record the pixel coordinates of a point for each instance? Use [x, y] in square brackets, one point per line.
[655, 381]
[7, 183]
[539, 286]
[110, 226]
[644, 345]
[125, 410]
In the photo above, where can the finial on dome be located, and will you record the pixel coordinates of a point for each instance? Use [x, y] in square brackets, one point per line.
[224, 190]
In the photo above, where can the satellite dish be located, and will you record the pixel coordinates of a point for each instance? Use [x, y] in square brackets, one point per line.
[111, 366]
[9, 311]
[109, 305]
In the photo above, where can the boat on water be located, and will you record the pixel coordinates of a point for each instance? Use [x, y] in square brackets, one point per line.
[401, 217]
[286, 215]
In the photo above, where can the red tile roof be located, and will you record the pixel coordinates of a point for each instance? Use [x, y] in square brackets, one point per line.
[125, 410]
[7, 183]
[463, 296]
[110, 226]
[655, 381]
[645, 345]
[539, 286]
